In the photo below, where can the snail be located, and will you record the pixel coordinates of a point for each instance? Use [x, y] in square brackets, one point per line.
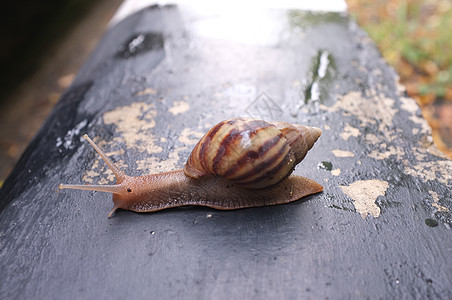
[238, 163]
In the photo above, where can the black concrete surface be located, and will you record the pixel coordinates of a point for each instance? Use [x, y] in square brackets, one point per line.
[163, 76]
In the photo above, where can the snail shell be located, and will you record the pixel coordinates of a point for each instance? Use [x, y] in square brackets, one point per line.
[253, 153]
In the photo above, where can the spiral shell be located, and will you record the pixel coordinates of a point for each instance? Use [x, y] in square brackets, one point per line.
[253, 153]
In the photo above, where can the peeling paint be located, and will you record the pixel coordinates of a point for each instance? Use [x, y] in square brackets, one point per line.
[439, 170]
[336, 172]
[155, 165]
[410, 106]
[364, 193]
[383, 147]
[427, 146]
[384, 154]
[134, 124]
[147, 91]
[343, 153]
[179, 107]
[435, 197]
[190, 137]
[350, 131]
[372, 138]
[101, 169]
[354, 104]
[380, 116]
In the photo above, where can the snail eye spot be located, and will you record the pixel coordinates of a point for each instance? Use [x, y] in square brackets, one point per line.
[129, 190]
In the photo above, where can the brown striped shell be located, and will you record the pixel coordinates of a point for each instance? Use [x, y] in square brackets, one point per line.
[253, 153]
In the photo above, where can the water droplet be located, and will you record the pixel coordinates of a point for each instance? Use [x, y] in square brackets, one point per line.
[141, 43]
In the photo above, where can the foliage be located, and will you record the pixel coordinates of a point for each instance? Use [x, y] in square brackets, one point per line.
[415, 37]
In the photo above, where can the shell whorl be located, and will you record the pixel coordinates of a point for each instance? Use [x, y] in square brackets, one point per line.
[252, 153]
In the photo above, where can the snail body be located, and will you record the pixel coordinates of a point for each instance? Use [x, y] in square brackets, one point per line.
[238, 163]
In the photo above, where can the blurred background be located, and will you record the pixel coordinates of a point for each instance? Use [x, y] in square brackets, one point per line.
[45, 42]
[415, 37]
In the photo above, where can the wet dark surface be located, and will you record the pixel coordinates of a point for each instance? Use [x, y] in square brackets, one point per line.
[141, 43]
[154, 101]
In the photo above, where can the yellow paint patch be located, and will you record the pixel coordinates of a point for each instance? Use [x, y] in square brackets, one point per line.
[435, 197]
[134, 124]
[101, 169]
[411, 106]
[88, 177]
[147, 91]
[350, 131]
[342, 153]
[179, 107]
[354, 104]
[440, 170]
[336, 172]
[190, 137]
[381, 116]
[384, 154]
[155, 165]
[372, 138]
[364, 193]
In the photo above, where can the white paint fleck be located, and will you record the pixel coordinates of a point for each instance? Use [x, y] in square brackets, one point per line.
[66, 141]
[364, 193]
